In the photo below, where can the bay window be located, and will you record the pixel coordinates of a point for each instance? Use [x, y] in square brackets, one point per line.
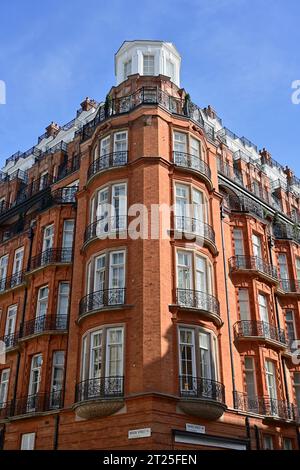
[109, 209]
[187, 151]
[194, 279]
[106, 279]
[190, 209]
[102, 362]
[111, 151]
[197, 361]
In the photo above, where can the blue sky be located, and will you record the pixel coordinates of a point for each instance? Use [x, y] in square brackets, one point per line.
[240, 56]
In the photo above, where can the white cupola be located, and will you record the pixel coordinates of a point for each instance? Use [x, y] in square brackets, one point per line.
[147, 58]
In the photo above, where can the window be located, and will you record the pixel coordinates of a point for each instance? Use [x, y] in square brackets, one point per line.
[263, 309]
[190, 209]
[106, 276]
[3, 271]
[102, 361]
[250, 379]
[268, 442]
[298, 268]
[57, 379]
[238, 242]
[111, 209]
[48, 237]
[297, 388]
[197, 359]
[290, 327]
[148, 65]
[67, 241]
[10, 325]
[271, 386]
[28, 441]
[180, 143]
[105, 146]
[63, 305]
[287, 444]
[42, 302]
[18, 261]
[34, 382]
[43, 180]
[187, 151]
[244, 304]
[170, 70]
[127, 69]
[194, 278]
[283, 267]
[4, 381]
[2, 204]
[120, 147]
[256, 242]
[195, 147]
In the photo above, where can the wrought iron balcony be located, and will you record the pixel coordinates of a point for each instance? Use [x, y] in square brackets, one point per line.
[241, 203]
[188, 225]
[68, 167]
[191, 162]
[188, 298]
[10, 341]
[202, 397]
[200, 387]
[266, 406]
[65, 195]
[100, 388]
[252, 263]
[37, 403]
[105, 227]
[291, 286]
[102, 299]
[259, 329]
[44, 323]
[286, 232]
[105, 162]
[50, 256]
[12, 281]
[147, 96]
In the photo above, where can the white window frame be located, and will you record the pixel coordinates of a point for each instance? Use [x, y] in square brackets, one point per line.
[11, 314]
[244, 304]
[41, 300]
[17, 260]
[4, 384]
[148, 68]
[28, 441]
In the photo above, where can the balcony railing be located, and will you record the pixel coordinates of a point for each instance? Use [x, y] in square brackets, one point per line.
[148, 96]
[52, 255]
[101, 299]
[189, 298]
[194, 226]
[100, 388]
[252, 263]
[44, 323]
[259, 329]
[290, 285]
[104, 227]
[200, 387]
[37, 403]
[111, 160]
[65, 195]
[12, 281]
[241, 203]
[11, 340]
[191, 162]
[265, 406]
[286, 232]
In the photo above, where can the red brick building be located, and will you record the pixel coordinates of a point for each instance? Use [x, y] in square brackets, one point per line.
[187, 338]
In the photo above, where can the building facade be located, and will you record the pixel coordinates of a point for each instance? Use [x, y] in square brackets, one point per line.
[182, 340]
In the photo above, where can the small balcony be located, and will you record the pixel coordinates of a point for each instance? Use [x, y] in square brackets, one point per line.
[10, 341]
[65, 195]
[202, 397]
[289, 287]
[45, 324]
[200, 302]
[260, 330]
[110, 227]
[32, 404]
[191, 228]
[51, 256]
[108, 161]
[102, 300]
[194, 164]
[270, 408]
[99, 397]
[253, 264]
[12, 282]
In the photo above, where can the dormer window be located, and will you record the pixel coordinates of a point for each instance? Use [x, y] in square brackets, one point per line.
[148, 66]
[127, 69]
